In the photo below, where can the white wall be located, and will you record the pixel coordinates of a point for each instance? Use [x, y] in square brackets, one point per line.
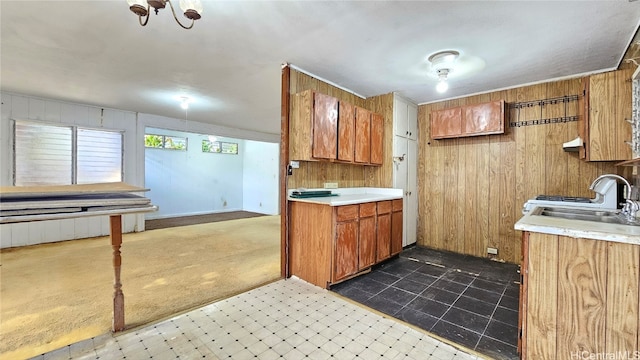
[193, 182]
[23, 107]
[18, 107]
[261, 177]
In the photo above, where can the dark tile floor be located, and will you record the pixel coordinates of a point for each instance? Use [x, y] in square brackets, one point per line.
[468, 300]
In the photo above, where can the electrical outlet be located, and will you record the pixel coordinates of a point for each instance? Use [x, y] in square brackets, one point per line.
[330, 185]
[492, 251]
[295, 164]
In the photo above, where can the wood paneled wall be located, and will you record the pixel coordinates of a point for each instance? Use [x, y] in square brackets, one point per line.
[471, 190]
[315, 174]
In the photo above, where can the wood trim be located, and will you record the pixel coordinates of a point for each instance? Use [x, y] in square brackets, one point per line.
[285, 272]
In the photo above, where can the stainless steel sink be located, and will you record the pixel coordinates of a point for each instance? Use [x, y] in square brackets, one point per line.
[585, 214]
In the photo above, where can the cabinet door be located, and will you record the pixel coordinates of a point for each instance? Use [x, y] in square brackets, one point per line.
[363, 135]
[412, 121]
[446, 123]
[623, 104]
[383, 237]
[400, 125]
[609, 110]
[377, 138]
[346, 251]
[602, 127]
[325, 127]
[346, 131]
[486, 118]
[367, 242]
[345, 261]
[396, 227]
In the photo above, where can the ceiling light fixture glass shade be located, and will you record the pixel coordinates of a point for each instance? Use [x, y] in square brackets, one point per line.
[184, 102]
[442, 86]
[443, 63]
[192, 10]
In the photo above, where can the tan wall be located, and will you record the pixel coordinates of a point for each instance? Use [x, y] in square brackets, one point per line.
[315, 174]
[471, 190]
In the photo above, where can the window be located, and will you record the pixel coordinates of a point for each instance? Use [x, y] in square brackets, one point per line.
[219, 147]
[165, 142]
[63, 155]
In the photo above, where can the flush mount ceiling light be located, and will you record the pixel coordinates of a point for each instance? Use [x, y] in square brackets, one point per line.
[443, 63]
[192, 10]
[184, 102]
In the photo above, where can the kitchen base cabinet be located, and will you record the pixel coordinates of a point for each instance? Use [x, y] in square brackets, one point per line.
[396, 227]
[346, 244]
[367, 236]
[383, 231]
[329, 244]
[579, 298]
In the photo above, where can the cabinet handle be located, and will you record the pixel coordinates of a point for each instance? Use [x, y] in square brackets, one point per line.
[629, 143]
[628, 120]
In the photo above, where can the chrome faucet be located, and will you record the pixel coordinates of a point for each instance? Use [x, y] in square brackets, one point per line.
[631, 207]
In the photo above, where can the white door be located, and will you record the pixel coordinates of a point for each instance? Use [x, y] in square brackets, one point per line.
[410, 211]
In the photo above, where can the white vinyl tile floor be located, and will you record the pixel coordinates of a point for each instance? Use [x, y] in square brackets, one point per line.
[287, 319]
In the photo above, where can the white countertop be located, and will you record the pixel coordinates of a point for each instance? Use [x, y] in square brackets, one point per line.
[629, 234]
[350, 196]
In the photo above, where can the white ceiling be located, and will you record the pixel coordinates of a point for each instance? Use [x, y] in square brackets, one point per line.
[95, 52]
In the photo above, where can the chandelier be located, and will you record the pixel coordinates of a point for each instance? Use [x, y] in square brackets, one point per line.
[191, 8]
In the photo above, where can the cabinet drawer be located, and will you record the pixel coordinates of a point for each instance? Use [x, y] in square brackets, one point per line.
[367, 209]
[397, 205]
[384, 207]
[347, 212]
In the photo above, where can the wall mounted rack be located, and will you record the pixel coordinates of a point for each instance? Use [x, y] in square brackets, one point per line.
[542, 103]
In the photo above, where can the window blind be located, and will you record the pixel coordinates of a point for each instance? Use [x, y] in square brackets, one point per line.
[43, 154]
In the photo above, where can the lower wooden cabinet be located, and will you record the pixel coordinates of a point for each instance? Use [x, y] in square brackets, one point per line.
[330, 244]
[367, 236]
[383, 235]
[396, 227]
[579, 298]
[346, 242]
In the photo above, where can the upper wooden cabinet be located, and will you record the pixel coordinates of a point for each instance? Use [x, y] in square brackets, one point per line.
[607, 130]
[325, 123]
[346, 132]
[446, 123]
[363, 135]
[470, 120]
[323, 128]
[377, 138]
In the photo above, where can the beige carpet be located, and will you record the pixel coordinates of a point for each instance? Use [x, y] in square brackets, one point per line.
[53, 295]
